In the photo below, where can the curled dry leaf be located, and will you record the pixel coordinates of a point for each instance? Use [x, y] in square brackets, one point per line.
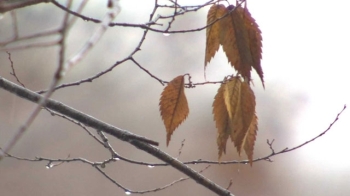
[240, 37]
[234, 114]
[249, 139]
[255, 41]
[240, 103]
[235, 42]
[221, 118]
[173, 105]
[212, 43]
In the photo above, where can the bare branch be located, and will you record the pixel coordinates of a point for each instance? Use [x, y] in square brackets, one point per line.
[98, 165]
[90, 79]
[33, 36]
[265, 158]
[35, 45]
[149, 73]
[8, 5]
[64, 67]
[72, 113]
[129, 191]
[76, 123]
[148, 24]
[137, 141]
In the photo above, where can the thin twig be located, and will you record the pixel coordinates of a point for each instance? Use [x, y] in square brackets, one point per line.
[32, 36]
[148, 72]
[318, 136]
[229, 184]
[91, 78]
[129, 191]
[147, 25]
[13, 70]
[180, 149]
[173, 16]
[98, 165]
[76, 123]
[72, 113]
[36, 45]
[79, 10]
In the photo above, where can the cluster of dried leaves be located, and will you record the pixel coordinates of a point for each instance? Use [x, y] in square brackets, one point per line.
[234, 105]
[238, 34]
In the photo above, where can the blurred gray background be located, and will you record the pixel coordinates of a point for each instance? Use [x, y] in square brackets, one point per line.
[305, 60]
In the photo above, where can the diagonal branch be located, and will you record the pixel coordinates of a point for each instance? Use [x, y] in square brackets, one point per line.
[139, 142]
[72, 113]
[8, 5]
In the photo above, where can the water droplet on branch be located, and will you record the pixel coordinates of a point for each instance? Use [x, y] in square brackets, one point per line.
[150, 166]
[127, 193]
[166, 34]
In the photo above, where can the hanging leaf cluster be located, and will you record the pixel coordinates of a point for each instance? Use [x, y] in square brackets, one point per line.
[239, 35]
[234, 104]
[234, 114]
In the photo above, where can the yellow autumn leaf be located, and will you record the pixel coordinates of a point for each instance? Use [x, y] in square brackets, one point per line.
[173, 105]
[212, 34]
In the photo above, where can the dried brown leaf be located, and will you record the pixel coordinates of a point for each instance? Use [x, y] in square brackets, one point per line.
[255, 42]
[173, 105]
[234, 114]
[221, 118]
[235, 42]
[242, 101]
[241, 40]
[212, 43]
[249, 139]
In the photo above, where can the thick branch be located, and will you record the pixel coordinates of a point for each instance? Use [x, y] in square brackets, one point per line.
[140, 142]
[8, 5]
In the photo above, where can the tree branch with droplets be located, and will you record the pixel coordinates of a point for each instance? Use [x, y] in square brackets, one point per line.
[139, 142]
[156, 24]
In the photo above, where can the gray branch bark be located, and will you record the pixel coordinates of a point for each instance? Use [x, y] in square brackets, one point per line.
[139, 142]
[8, 5]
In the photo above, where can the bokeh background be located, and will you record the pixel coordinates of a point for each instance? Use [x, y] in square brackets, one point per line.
[306, 66]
